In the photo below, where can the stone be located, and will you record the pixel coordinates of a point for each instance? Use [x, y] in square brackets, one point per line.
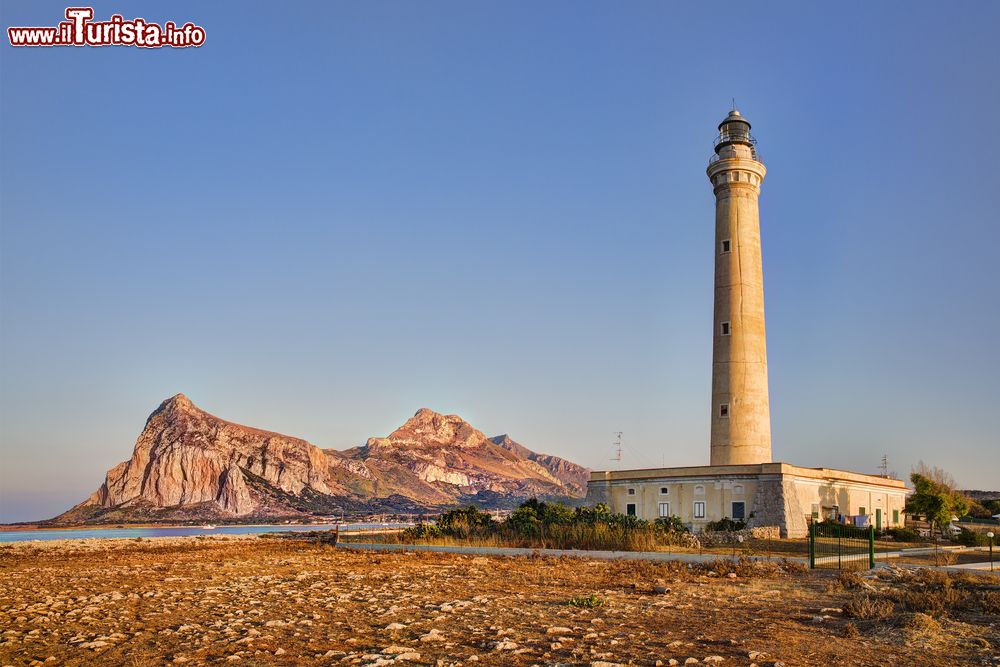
[503, 645]
[433, 636]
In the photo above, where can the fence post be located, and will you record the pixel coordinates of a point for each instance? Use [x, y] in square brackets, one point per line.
[812, 545]
[840, 535]
[871, 546]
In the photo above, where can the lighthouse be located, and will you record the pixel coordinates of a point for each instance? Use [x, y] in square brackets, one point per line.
[742, 482]
[741, 416]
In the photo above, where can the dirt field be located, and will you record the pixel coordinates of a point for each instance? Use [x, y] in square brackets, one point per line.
[256, 601]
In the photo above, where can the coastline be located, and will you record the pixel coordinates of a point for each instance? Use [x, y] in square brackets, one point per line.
[10, 528]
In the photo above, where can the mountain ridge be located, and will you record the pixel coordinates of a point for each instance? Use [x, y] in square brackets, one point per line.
[188, 464]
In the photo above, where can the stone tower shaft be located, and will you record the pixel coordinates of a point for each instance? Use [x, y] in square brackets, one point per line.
[741, 419]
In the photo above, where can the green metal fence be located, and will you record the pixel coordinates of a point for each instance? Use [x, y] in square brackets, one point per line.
[832, 545]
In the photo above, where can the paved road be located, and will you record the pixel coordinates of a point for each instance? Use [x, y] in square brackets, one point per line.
[623, 555]
[576, 553]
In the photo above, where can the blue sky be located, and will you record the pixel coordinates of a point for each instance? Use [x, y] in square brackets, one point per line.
[333, 214]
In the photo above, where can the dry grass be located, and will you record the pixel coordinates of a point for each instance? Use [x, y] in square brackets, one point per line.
[866, 607]
[292, 602]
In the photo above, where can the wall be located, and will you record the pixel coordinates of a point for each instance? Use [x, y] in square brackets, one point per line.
[776, 494]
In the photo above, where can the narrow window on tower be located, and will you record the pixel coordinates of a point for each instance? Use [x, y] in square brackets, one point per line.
[724, 329]
[725, 246]
[724, 410]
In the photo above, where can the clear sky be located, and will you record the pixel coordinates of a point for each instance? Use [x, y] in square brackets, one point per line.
[333, 214]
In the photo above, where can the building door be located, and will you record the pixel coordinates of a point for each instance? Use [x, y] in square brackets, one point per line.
[630, 509]
[664, 509]
[878, 518]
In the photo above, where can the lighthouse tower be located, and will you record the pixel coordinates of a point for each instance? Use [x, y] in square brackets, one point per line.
[741, 416]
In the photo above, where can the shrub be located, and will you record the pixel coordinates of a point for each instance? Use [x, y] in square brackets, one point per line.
[850, 580]
[919, 622]
[972, 539]
[670, 524]
[933, 601]
[865, 607]
[539, 524]
[945, 558]
[726, 524]
[903, 534]
[422, 531]
[586, 602]
[464, 522]
[989, 601]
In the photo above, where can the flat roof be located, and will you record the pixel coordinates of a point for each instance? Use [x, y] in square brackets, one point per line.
[745, 470]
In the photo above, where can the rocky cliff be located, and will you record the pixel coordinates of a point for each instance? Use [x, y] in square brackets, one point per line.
[189, 464]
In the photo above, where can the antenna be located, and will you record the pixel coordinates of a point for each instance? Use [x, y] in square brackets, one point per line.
[734, 104]
[885, 466]
[618, 447]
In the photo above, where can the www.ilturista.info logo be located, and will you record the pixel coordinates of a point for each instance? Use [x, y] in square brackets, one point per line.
[80, 30]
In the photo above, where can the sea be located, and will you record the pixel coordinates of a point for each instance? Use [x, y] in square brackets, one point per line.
[180, 531]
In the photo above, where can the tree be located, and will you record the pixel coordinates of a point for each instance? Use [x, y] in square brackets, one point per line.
[935, 474]
[935, 500]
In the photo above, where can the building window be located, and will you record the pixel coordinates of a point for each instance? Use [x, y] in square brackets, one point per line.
[630, 509]
[724, 411]
[664, 491]
[699, 509]
[699, 490]
[739, 511]
[664, 509]
[631, 492]
[725, 246]
[895, 517]
[861, 511]
[724, 328]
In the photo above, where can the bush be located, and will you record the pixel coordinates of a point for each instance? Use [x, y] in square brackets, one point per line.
[903, 534]
[934, 602]
[539, 524]
[919, 622]
[865, 607]
[972, 539]
[726, 524]
[670, 524]
[989, 601]
[422, 531]
[586, 602]
[464, 522]
[850, 580]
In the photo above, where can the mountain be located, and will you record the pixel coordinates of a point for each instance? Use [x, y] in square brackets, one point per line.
[190, 465]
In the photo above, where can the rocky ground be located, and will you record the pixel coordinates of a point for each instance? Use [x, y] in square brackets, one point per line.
[256, 601]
